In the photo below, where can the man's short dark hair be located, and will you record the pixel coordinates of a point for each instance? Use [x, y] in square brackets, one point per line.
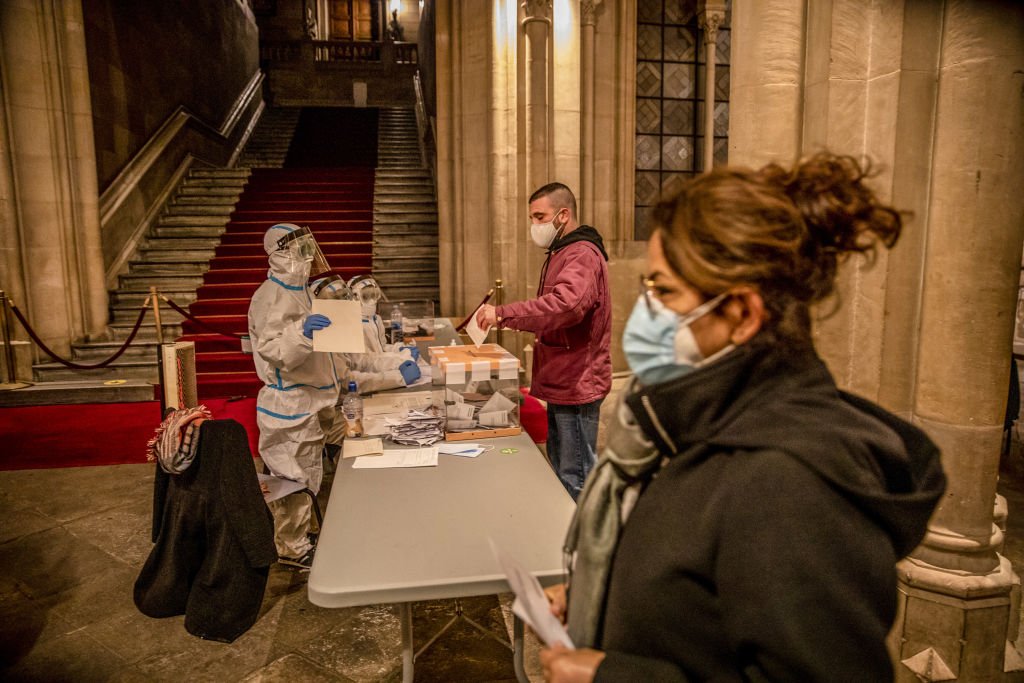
[561, 196]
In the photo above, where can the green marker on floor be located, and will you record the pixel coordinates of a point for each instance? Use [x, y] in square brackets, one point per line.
[509, 451]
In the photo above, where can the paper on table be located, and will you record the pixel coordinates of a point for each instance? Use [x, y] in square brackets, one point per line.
[375, 425]
[468, 454]
[466, 450]
[531, 605]
[399, 457]
[474, 331]
[353, 448]
[345, 333]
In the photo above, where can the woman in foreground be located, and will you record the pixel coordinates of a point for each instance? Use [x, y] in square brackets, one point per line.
[745, 519]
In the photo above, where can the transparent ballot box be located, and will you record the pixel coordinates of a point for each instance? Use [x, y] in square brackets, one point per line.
[478, 390]
[417, 318]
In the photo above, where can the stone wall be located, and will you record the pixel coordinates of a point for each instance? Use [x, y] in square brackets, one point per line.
[148, 58]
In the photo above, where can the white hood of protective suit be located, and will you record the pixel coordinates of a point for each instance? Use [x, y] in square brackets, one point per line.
[282, 267]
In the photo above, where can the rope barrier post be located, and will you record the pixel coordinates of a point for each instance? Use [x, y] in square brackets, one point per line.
[155, 296]
[499, 299]
[5, 323]
[156, 315]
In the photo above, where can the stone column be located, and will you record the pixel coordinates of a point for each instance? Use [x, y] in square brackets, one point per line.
[710, 17]
[482, 215]
[536, 24]
[588, 21]
[57, 276]
[959, 592]
[766, 82]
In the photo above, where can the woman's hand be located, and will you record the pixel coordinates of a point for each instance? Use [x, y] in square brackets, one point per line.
[570, 666]
[556, 600]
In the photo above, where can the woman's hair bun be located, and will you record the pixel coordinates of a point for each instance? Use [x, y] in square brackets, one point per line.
[841, 213]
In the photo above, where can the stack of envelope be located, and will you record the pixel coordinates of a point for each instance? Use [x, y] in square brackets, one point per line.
[417, 427]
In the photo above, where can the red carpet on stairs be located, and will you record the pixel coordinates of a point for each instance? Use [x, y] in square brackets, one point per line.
[336, 204]
[43, 437]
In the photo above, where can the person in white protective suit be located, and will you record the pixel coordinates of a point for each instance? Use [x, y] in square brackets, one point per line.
[383, 366]
[301, 386]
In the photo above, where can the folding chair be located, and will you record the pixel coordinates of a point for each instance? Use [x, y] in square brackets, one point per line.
[278, 488]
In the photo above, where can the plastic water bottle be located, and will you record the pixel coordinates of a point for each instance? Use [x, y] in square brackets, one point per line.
[352, 410]
[397, 332]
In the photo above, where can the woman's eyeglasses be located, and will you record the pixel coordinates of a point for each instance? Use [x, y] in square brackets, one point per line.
[648, 290]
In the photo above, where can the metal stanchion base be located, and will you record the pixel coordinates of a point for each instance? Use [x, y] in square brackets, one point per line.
[6, 386]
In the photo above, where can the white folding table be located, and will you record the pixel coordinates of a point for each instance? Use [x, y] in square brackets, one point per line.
[409, 534]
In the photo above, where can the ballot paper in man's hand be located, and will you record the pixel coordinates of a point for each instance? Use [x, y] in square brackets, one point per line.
[531, 605]
[474, 330]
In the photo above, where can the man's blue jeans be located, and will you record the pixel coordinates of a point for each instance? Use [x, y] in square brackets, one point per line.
[572, 442]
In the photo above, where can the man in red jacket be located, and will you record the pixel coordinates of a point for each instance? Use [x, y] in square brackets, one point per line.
[571, 318]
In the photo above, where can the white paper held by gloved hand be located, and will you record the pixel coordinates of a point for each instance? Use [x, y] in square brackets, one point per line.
[345, 333]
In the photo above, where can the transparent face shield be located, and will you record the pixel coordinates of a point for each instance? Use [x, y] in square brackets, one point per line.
[302, 248]
[332, 287]
[367, 292]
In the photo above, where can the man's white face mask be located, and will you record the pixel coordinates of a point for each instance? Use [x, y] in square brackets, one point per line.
[543, 234]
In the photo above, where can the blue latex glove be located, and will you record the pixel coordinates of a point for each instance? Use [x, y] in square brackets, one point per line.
[317, 321]
[414, 351]
[410, 371]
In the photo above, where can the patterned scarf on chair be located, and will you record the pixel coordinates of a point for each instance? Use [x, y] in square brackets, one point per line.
[176, 441]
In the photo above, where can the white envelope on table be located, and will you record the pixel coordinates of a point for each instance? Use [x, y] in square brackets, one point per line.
[345, 333]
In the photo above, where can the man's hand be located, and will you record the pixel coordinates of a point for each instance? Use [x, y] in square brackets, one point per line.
[556, 600]
[570, 666]
[486, 318]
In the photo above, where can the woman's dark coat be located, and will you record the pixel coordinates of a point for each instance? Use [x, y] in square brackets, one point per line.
[765, 547]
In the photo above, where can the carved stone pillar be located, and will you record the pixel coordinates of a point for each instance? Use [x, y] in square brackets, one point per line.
[588, 20]
[536, 25]
[53, 263]
[710, 17]
[960, 601]
[766, 82]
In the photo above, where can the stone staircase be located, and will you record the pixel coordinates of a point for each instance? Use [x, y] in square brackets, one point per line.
[268, 146]
[405, 249]
[172, 257]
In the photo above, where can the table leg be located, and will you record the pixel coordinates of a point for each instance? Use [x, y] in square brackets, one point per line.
[517, 650]
[405, 613]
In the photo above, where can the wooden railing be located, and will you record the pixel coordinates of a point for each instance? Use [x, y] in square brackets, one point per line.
[338, 51]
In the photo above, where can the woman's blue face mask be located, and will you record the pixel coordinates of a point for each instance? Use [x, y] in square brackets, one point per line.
[659, 344]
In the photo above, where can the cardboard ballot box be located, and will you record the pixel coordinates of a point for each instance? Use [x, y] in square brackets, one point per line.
[478, 389]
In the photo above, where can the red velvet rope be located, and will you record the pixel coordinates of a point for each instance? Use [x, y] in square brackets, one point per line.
[79, 366]
[197, 321]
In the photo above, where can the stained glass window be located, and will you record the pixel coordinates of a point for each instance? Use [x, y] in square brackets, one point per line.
[669, 101]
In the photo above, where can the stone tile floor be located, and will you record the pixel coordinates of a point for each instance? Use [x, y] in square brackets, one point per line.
[72, 542]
